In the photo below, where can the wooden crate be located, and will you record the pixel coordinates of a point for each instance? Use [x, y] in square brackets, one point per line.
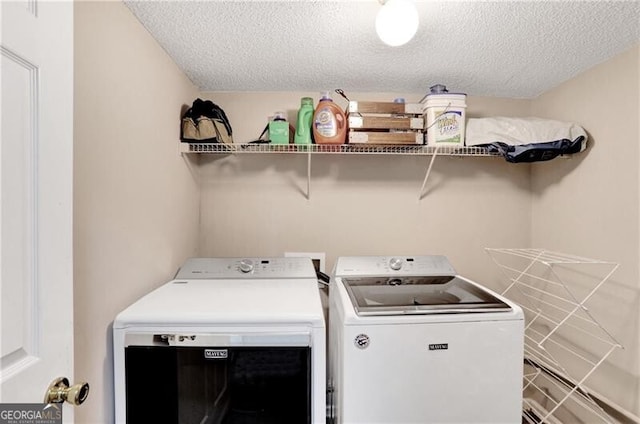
[386, 107]
[385, 122]
[385, 137]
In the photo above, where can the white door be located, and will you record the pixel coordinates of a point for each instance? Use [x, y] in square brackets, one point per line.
[36, 153]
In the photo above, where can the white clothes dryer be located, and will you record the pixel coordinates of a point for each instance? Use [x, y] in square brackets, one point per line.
[412, 342]
[227, 341]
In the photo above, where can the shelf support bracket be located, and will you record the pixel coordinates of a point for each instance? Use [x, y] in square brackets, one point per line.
[421, 194]
[309, 175]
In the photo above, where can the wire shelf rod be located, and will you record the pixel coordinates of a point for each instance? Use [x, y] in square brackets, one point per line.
[538, 410]
[546, 361]
[547, 317]
[550, 294]
[533, 276]
[557, 325]
[580, 305]
[532, 375]
[568, 324]
[549, 257]
[584, 400]
[588, 333]
[529, 378]
[532, 320]
[542, 392]
[577, 305]
[543, 374]
[583, 395]
[560, 402]
[560, 345]
[522, 273]
[539, 310]
[543, 358]
[593, 291]
[553, 306]
[579, 384]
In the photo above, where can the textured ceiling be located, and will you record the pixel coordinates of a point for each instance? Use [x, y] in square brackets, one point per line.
[514, 49]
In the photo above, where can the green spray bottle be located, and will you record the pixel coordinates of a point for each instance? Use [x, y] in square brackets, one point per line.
[303, 125]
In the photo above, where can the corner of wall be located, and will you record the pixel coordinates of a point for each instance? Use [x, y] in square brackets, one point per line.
[589, 204]
[136, 203]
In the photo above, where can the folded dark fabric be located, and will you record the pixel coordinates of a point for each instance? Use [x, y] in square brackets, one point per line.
[535, 152]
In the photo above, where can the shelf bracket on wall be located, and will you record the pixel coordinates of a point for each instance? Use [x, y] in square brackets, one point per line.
[422, 194]
[309, 175]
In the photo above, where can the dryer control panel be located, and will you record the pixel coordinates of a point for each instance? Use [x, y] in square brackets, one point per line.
[393, 265]
[246, 268]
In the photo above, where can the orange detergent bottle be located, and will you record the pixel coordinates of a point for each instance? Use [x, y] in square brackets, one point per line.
[329, 122]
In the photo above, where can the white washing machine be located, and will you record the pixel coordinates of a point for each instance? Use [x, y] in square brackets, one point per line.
[412, 342]
[227, 341]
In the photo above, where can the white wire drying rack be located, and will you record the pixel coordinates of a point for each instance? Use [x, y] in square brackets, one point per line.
[564, 343]
[340, 149]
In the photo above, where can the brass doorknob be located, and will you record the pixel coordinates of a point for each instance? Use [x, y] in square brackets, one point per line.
[59, 392]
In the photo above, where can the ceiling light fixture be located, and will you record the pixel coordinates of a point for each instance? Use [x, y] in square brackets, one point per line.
[397, 21]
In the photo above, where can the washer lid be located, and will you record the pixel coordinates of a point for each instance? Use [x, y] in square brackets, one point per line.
[419, 295]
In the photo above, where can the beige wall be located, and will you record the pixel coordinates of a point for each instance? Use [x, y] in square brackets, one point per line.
[136, 200]
[360, 205]
[589, 205]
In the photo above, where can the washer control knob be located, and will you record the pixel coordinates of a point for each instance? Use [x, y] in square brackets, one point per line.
[246, 265]
[395, 264]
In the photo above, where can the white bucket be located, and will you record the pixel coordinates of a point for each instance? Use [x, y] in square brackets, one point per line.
[445, 119]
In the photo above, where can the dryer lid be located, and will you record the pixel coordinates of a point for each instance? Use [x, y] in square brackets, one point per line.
[420, 295]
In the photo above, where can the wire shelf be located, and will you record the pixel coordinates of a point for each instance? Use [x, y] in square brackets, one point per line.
[564, 343]
[310, 150]
[417, 149]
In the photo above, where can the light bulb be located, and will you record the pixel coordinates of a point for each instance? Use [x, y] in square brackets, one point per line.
[397, 22]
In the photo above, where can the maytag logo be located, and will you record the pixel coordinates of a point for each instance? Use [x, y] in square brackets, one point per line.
[439, 346]
[216, 353]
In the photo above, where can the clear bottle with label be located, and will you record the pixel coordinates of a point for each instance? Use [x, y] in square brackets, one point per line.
[329, 122]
